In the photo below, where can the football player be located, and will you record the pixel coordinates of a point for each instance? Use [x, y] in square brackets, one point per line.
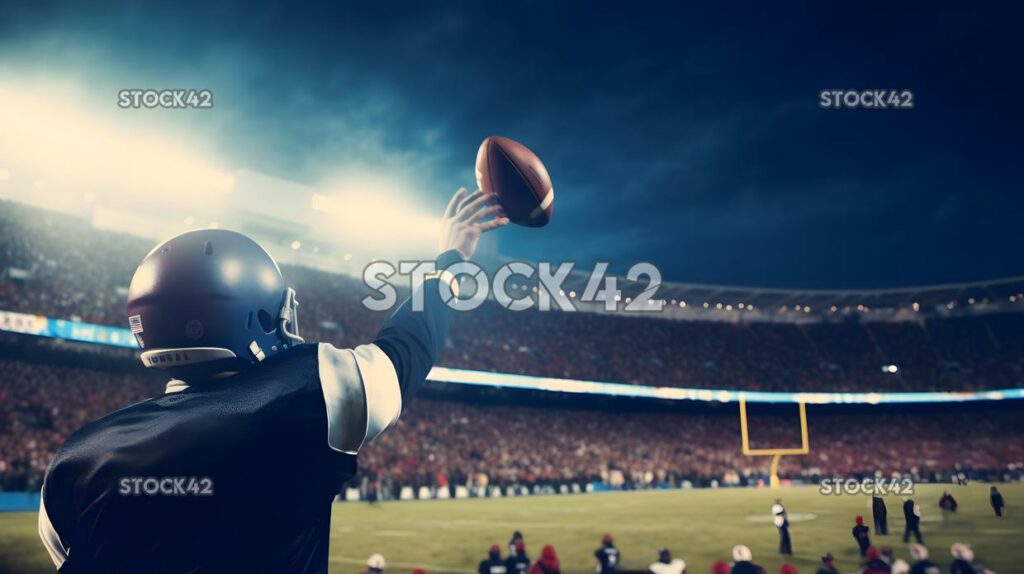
[862, 535]
[235, 467]
[922, 565]
[375, 564]
[493, 564]
[743, 561]
[996, 499]
[912, 517]
[880, 515]
[608, 557]
[666, 564]
[518, 562]
[781, 519]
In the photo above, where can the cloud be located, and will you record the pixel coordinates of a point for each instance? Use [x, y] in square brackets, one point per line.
[690, 136]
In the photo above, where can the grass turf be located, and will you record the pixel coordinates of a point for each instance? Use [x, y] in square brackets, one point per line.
[700, 526]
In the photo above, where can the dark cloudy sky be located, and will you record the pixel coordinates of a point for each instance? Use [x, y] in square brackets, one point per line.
[686, 136]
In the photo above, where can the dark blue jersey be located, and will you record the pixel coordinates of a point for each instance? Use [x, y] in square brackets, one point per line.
[492, 566]
[234, 474]
[517, 564]
[224, 476]
[607, 559]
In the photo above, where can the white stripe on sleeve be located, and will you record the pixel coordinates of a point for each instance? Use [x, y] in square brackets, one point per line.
[362, 394]
[50, 538]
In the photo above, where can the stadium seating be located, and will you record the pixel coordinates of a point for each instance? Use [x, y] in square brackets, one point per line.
[460, 443]
[66, 269]
[59, 266]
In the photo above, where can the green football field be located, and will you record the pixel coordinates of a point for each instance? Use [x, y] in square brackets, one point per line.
[700, 526]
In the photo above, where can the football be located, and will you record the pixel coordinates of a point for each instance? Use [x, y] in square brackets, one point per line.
[516, 175]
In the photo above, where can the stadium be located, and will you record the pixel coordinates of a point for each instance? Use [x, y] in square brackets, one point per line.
[476, 434]
[825, 345]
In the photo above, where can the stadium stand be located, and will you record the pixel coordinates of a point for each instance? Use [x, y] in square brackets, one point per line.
[498, 439]
[60, 266]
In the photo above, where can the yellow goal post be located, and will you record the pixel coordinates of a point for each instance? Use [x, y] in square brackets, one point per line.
[775, 453]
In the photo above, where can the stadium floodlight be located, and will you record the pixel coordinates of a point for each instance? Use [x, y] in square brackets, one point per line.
[373, 216]
[775, 453]
[72, 148]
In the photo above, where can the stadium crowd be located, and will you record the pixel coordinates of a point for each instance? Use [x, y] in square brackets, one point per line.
[440, 443]
[449, 443]
[60, 266]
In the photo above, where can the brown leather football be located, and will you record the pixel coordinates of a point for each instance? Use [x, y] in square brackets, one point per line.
[516, 175]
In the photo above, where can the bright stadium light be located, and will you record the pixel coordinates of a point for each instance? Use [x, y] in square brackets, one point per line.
[70, 148]
[374, 210]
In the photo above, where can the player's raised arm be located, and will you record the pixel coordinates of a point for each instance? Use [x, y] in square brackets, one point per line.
[413, 340]
[382, 376]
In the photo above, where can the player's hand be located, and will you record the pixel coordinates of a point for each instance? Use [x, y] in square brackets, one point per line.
[467, 218]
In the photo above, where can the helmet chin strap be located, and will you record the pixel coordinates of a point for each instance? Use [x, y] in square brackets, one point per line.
[288, 319]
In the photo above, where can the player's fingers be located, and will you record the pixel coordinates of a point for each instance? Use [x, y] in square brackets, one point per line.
[454, 201]
[493, 224]
[470, 208]
[491, 210]
[466, 199]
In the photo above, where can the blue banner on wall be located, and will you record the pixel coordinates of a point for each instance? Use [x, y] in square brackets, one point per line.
[41, 326]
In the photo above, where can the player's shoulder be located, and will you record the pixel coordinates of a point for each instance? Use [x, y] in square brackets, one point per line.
[86, 444]
[102, 423]
[282, 366]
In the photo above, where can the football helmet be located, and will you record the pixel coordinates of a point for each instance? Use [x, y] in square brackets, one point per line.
[210, 301]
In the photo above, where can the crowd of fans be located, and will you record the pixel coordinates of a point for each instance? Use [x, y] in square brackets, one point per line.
[59, 266]
[487, 443]
[440, 443]
[40, 406]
